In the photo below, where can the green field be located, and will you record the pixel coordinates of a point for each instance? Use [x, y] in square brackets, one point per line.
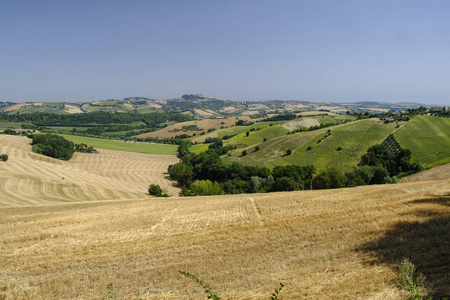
[198, 148]
[354, 138]
[123, 146]
[428, 138]
[242, 129]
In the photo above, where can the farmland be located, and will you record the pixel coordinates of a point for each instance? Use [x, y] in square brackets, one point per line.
[344, 243]
[428, 138]
[354, 139]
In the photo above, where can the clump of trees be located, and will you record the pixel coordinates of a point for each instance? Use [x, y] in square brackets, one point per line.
[53, 145]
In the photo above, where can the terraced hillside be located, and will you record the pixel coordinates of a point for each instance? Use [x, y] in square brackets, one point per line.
[329, 244]
[30, 178]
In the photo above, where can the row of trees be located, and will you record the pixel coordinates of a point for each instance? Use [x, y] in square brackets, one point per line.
[77, 120]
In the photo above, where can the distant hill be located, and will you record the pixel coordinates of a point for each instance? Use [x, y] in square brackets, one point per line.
[199, 106]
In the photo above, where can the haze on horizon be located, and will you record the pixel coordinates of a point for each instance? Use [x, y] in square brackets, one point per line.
[320, 51]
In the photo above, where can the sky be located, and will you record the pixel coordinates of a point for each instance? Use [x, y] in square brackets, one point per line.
[315, 50]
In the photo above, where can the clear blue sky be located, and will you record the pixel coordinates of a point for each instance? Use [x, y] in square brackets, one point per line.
[313, 50]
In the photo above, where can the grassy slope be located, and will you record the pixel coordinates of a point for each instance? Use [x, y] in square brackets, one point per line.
[118, 145]
[428, 138]
[256, 137]
[354, 138]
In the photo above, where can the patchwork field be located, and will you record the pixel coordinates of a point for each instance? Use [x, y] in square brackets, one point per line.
[329, 244]
[30, 178]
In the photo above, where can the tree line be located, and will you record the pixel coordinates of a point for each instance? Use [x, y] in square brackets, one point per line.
[77, 120]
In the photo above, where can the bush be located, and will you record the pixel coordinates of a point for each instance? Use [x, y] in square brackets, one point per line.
[155, 190]
[244, 153]
[3, 157]
[256, 148]
[288, 152]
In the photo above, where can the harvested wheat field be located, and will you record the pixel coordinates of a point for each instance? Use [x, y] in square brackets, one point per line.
[330, 244]
[30, 178]
[436, 173]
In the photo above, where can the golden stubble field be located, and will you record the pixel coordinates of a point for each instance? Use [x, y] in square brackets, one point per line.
[331, 244]
[30, 178]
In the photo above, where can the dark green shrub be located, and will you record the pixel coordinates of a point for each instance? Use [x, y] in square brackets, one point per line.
[155, 190]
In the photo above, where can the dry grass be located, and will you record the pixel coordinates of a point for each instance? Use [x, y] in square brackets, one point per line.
[30, 178]
[72, 109]
[331, 244]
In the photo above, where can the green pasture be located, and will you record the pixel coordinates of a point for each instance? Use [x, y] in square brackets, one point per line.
[428, 138]
[123, 146]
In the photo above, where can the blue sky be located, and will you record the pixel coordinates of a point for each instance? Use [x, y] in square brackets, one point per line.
[338, 51]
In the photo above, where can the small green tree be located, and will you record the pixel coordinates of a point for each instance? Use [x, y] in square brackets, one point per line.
[247, 133]
[4, 157]
[256, 148]
[288, 152]
[244, 153]
[155, 190]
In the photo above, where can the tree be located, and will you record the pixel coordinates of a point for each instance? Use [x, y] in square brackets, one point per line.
[155, 190]
[288, 152]
[205, 187]
[4, 157]
[330, 179]
[244, 153]
[247, 133]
